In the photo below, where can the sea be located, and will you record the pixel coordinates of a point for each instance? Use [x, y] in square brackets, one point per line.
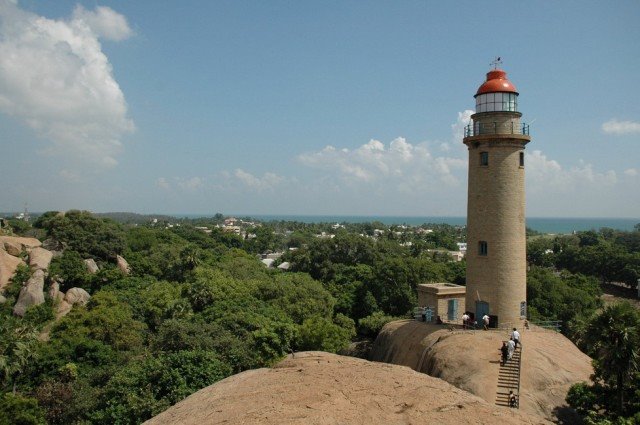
[541, 224]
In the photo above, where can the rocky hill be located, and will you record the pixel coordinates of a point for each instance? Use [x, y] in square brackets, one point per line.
[470, 361]
[321, 388]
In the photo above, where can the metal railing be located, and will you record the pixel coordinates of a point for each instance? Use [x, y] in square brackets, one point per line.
[555, 325]
[477, 129]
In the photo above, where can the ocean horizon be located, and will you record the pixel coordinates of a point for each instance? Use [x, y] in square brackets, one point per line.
[554, 225]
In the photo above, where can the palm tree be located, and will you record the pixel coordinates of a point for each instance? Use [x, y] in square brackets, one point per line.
[614, 337]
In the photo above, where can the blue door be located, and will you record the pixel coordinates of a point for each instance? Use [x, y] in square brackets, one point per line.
[482, 308]
[429, 314]
[452, 310]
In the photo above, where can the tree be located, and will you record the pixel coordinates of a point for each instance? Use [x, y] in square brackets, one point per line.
[18, 343]
[86, 234]
[613, 339]
[18, 410]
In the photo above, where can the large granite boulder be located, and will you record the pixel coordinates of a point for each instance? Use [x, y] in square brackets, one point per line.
[470, 360]
[123, 265]
[13, 248]
[77, 296]
[321, 388]
[30, 294]
[91, 265]
[74, 296]
[54, 291]
[40, 258]
[8, 266]
[23, 242]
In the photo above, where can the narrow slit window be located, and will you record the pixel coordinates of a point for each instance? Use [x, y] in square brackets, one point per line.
[522, 159]
[482, 248]
[484, 158]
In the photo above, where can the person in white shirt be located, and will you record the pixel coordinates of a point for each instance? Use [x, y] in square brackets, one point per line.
[515, 335]
[465, 320]
[485, 321]
[512, 346]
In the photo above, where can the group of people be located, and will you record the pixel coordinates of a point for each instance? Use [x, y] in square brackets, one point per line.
[508, 347]
[469, 323]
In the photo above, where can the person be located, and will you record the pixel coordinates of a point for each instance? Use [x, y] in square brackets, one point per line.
[505, 352]
[424, 314]
[511, 345]
[465, 320]
[512, 399]
[485, 321]
[438, 320]
[515, 335]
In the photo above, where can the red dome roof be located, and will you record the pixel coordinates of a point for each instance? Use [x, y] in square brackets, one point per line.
[497, 81]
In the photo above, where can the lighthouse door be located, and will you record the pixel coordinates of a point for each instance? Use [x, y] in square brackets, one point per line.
[482, 308]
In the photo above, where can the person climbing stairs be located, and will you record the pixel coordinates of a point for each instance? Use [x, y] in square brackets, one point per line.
[509, 381]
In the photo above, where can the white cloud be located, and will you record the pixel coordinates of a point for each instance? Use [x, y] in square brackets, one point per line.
[104, 22]
[464, 119]
[70, 176]
[162, 183]
[544, 174]
[55, 78]
[268, 181]
[631, 172]
[614, 126]
[190, 184]
[401, 164]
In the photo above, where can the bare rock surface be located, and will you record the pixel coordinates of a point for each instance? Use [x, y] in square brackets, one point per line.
[63, 308]
[23, 242]
[30, 294]
[470, 361]
[123, 265]
[321, 388]
[2, 299]
[54, 291]
[8, 266]
[13, 248]
[40, 258]
[77, 296]
[91, 265]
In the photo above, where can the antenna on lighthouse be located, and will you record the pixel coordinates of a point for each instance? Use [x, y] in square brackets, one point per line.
[497, 61]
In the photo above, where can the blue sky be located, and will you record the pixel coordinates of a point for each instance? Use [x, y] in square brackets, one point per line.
[286, 107]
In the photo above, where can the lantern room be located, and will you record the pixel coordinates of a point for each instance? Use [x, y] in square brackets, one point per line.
[497, 93]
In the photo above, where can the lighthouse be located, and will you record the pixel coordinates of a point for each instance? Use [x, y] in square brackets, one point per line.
[496, 236]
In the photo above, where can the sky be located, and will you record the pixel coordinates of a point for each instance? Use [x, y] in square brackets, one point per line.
[303, 107]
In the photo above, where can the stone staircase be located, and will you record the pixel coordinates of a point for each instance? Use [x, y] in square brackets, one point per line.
[509, 379]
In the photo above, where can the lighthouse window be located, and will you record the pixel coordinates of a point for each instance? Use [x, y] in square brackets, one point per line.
[482, 248]
[484, 158]
[522, 159]
[489, 102]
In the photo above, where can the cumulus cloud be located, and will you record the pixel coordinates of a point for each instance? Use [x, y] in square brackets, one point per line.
[374, 163]
[190, 184]
[620, 127]
[162, 183]
[55, 78]
[544, 174]
[104, 22]
[268, 181]
[457, 128]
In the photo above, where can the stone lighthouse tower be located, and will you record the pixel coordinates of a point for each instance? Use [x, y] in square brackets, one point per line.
[496, 240]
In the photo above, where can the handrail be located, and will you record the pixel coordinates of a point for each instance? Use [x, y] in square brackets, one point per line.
[555, 325]
[519, 376]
